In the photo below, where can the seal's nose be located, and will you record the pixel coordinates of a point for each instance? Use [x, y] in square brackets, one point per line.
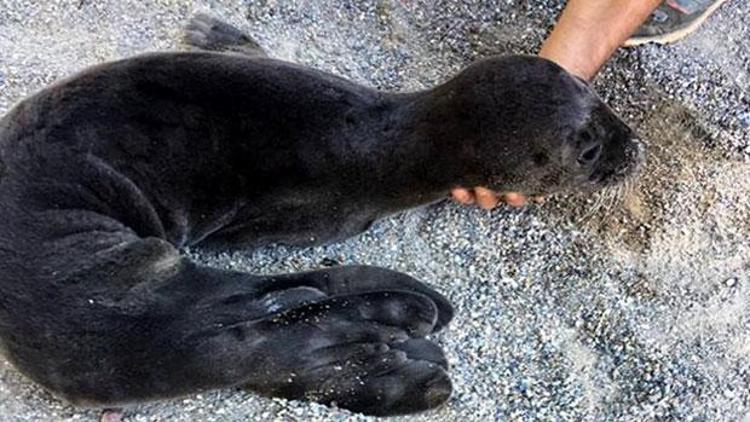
[590, 154]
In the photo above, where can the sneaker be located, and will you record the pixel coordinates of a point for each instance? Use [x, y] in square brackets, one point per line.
[674, 20]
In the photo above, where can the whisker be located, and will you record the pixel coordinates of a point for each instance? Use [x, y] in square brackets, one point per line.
[609, 199]
[595, 207]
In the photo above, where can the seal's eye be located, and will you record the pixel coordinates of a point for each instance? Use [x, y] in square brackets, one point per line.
[586, 136]
[540, 159]
[590, 154]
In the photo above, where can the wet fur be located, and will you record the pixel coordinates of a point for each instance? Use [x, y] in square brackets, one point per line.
[104, 177]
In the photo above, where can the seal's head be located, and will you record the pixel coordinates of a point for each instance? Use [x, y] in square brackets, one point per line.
[537, 129]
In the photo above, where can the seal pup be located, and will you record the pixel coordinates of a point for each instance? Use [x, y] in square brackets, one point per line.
[107, 175]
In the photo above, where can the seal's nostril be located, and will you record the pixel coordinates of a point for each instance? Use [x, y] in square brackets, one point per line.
[590, 154]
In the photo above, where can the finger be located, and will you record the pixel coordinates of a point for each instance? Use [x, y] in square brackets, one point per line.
[235, 308]
[345, 331]
[462, 196]
[281, 300]
[401, 387]
[356, 279]
[412, 313]
[361, 278]
[375, 381]
[324, 325]
[486, 198]
[515, 199]
[345, 352]
[422, 349]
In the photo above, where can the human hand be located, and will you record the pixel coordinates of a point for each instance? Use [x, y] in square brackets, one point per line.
[488, 199]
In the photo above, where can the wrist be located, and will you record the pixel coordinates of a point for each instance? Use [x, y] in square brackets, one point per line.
[581, 60]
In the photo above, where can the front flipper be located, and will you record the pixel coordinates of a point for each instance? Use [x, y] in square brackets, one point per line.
[208, 33]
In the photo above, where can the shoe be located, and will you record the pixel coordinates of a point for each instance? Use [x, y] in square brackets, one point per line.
[673, 21]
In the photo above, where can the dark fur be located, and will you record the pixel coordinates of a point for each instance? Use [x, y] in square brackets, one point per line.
[105, 176]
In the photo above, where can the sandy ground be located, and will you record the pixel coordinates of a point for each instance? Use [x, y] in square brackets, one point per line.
[625, 306]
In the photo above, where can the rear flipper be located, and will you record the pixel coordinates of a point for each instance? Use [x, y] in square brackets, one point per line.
[361, 348]
[363, 352]
[350, 336]
[208, 33]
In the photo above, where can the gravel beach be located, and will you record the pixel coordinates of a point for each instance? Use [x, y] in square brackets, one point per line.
[623, 306]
